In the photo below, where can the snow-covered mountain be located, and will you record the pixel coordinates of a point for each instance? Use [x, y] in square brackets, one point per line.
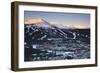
[45, 41]
[45, 27]
[45, 30]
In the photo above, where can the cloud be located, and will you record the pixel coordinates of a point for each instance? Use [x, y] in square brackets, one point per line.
[59, 24]
[77, 26]
[32, 21]
[72, 26]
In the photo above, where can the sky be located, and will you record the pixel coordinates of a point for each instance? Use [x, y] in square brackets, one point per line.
[80, 20]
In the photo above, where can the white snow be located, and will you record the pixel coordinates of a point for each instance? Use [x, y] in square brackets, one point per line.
[43, 37]
[34, 46]
[74, 34]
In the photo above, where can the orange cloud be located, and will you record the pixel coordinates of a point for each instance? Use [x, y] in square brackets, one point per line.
[57, 24]
[77, 26]
[32, 21]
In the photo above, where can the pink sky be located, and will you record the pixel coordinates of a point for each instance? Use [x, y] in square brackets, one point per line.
[55, 23]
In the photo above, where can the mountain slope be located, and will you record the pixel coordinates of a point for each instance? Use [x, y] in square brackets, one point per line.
[44, 41]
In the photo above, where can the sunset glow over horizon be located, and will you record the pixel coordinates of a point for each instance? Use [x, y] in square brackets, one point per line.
[63, 20]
